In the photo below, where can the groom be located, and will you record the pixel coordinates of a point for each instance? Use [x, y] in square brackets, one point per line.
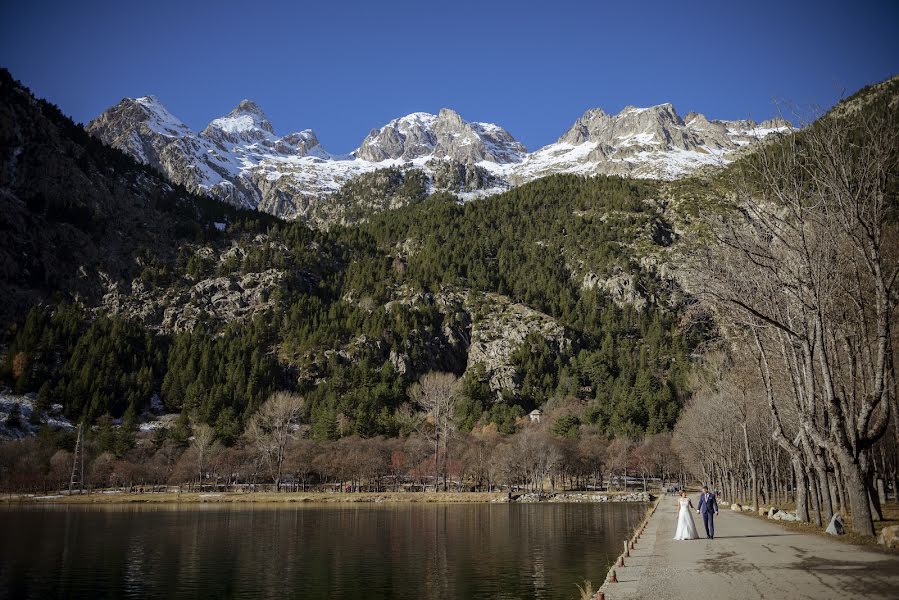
[708, 508]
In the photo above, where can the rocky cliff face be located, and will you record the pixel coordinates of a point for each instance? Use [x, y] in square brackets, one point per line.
[71, 207]
[653, 142]
[500, 327]
[222, 291]
[218, 300]
[231, 159]
[240, 159]
[481, 330]
[445, 135]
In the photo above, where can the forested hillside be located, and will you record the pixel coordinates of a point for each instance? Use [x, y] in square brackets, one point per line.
[545, 296]
[74, 212]
[410, 344]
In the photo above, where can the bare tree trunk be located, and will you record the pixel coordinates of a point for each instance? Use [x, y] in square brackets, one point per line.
[824, 486]
[752, 470]
[834, 495]
[817, 496]
[857, 492]
[801, 490]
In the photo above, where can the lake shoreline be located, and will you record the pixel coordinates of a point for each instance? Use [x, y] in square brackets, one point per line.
[117, 497]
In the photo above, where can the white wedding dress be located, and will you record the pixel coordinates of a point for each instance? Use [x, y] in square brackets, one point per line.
[686, 529]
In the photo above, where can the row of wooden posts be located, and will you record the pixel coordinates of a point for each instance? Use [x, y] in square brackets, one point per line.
[628, 546]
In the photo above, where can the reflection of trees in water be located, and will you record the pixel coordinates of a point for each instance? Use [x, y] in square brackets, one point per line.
[400, 551]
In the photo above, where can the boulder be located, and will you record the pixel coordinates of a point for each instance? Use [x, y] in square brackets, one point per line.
[736, 507]
[784, 516]
[889, 537]
[772, 511]
[836, 525]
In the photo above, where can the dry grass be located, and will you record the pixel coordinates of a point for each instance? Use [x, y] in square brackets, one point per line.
[586, 592]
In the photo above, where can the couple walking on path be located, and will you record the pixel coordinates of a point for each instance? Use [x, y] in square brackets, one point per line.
[708, 508]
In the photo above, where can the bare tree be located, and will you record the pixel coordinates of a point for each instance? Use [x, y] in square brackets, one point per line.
[436, 394]
[619, 457]
[804, 260]
[592, 452]
[272, 427]
[298, 461]
[203, 443]
[478, 457]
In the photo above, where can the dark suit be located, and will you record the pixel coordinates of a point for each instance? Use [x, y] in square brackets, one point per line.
[708, 508]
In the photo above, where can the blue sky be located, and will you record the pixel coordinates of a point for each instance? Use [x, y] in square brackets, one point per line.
[342, 68]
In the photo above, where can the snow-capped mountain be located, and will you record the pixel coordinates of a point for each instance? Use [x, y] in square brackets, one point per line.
[247, 126]
[228, 159]
[240, 159]
[653, 142]
[445, 135]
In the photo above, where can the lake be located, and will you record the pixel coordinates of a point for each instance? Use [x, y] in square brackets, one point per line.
[345, 551]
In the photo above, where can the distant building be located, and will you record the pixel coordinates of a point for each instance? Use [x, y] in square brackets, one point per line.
[535, 415]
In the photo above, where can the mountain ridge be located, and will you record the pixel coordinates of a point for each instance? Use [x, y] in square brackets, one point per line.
[240, 159]
[554, 294]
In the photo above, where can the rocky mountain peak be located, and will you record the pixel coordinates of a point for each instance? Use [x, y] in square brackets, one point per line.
[239, 159]
[657, 126]
[643, 142]
[150, 112]
[446, 135]
[695, 117]
[593, 113]
[592, 120]
[632, 124]
[133, 122]
[776, 123]
[151, 103]
[246, 123]
[664, 114]
[246, 106]
[450, 118]
[699, 122]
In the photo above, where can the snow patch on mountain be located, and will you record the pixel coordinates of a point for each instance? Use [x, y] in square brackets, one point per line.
[240, 159]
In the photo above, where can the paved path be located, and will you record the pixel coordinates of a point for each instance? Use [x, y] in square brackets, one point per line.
[749, 558]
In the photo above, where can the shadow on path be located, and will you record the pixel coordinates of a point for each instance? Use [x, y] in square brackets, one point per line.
[759, 535]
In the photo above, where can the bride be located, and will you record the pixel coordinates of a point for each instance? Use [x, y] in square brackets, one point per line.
[686, 529]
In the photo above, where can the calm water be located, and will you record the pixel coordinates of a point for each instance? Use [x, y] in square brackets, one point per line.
[312, 552]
